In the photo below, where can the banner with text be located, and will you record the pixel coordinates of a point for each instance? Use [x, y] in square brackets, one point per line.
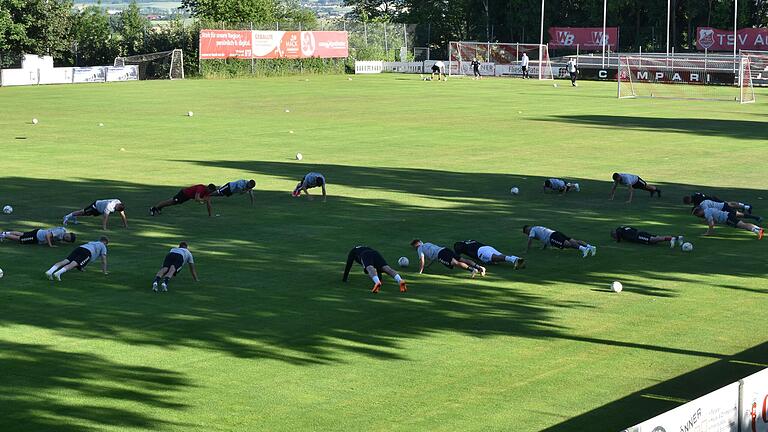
[712, 39]
[754, 402]
[587, 38]
[223, 44]
[257, 44]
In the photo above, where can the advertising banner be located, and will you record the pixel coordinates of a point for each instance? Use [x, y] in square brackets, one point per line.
[61, 75]
[125, 73]
[587, 38]
[404, 67]
[754, 402]
[15, 77]
[89, 74]
[369, 67]
[712, 39]
[223, 44]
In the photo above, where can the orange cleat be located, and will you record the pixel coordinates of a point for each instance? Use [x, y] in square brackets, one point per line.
[403, 288]
[376, 288]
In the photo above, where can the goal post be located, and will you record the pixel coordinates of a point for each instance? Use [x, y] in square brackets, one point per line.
[687, 78]
[157, 65]
[500, 59]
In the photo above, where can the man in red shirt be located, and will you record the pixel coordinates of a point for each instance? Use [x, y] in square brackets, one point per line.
[200, 193]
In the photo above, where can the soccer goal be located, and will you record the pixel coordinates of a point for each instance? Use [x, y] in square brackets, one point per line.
[500, 59]
[758, 66]
[157, 65]
[691, 78]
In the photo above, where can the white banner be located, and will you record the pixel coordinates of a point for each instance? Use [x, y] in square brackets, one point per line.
[754, 402]
[369, 67]
[715, 412]
[56, 76]
[404, 67]
[89, 74]
[486, 69]
[17, 77]
[125, 73]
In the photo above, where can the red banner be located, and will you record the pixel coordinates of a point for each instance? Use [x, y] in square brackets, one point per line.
[222, 44]
[586, 38]
[713, 39]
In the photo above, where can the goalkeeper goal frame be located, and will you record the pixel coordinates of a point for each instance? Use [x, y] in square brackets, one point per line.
[503, 58]
[175, 65]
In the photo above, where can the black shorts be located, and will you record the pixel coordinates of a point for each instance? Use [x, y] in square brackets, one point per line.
[91, 210]
[81, 256]
[435, 69]
[29, 237]
[524, 68]
[225, 190]
[445, 256]
[640, 184]
[373, 258]
[732, 219]
[180, 198]
[558, 239]
[643, 237]
[175, 260]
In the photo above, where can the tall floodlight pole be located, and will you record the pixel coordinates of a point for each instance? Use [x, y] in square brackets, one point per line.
[541, 33]
[735, 31]
[669, 7]
[605, 9]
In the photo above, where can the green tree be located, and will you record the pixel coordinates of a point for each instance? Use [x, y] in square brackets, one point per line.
[95, 42]
[35, 26]
[132, 28]
[233, 11]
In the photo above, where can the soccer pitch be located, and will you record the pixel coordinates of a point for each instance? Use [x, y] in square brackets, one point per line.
[271, 339]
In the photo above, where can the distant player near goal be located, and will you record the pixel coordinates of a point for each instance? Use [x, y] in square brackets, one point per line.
[560, 185]
[101, 208]
[714, 216]
[445, 256]
[570, 67]
[373, 265]
[557, 239]
[172, 264]
[524, 61]
[633, 235]
[632, 182]
[439, 69]
[475, 68]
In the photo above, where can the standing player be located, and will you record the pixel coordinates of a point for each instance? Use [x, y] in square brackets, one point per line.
[627, 233]
[199, 193]
[560, 185]
[439, 69]
[714, 216]
[632, 182]
[722, 206]
[373, 265]
[174, 261]
[80, 258]
[486, 254]
[311, 180]
[101, 208]
[475, 68]
[557, 239]
[236, 187]
[39, 236]
[697, 198]
[446, 257]
[524, 65]
[572, 70]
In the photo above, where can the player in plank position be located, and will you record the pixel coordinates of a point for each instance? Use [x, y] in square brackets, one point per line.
[39, 236]
[439, 69]
[627, 233]
[714, 216]
[722, 206]
[697, 198]
[487, 254]
[632, 182]
[446, 257]
[80, 258]
[101, 208]
[309, 181]
[373, 265]
[560, 186]
[557, 239]
[200, 193]
[236, 187]
[174, 261]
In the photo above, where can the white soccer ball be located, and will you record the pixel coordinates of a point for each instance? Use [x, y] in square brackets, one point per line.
[554, 85]
[190, 113]
[299, 156]
[7, 209]
[687, 247]
[1, 273]
[514, 191]
[403, 262]
[34, 121]
[616, 286]
[287, 110]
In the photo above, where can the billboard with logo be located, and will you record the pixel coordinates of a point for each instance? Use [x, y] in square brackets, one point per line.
[223, 44]
[257, 44]
[587, 38]
[754, 402]
[712, 39]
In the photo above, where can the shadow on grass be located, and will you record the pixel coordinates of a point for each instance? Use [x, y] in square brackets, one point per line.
[271, 274]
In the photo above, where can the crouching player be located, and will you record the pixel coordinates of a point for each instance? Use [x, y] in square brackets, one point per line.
[627, 233]
[446, 257]
[486, 254]
[311, 180]
[560, 185]
[39, 236]
[557, 239]
[373, 265]
[174, 261]
[80, 258]
[714, 216]
[697, 198]
[101, 208]
[632, 182]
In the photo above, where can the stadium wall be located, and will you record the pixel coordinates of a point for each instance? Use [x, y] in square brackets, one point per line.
[39, 70]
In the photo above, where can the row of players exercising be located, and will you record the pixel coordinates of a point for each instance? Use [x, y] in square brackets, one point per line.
[710, 208]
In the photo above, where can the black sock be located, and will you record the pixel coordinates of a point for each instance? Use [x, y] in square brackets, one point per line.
[166, 280]
[157, 279]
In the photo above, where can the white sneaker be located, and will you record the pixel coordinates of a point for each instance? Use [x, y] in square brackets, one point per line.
[473, 273]
[57, 277]
[50, 275]
[680, 240]
[672, 242]
[154, 286]
[585, 252]
[593, 249]
[163, 287]
[66, 220]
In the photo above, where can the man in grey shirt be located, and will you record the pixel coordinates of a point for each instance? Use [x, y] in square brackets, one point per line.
[101, 208]
[80, 258]
[632, 182]
[174, 261]
[39, 236]
[446, 257]
[311, 180]
[714, 216]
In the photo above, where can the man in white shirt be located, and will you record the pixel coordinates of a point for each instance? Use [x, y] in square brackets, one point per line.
[632, 182]
[101, 208]
[439, 69]
[174, 261]
[570, 67]
[309, 181]
[80, 258]
[714, 216]
[557, 239]
[39, 236]
[446, 257]
[560, 185]
[524, 65]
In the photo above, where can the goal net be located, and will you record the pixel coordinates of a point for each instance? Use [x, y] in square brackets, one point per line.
[157, 65]
[691, 78]
[758, 65]
[500, 59]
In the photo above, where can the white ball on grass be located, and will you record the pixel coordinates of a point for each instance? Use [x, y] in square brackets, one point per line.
[403, 262]
[2, 273]
[514, 191]
[7, 209]
[190, 113]
[687, 247]
[616, 286]
[34, 121]
[554, 85]
[299, 156]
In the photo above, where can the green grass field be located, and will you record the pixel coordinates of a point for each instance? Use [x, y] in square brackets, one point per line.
[272, 340]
